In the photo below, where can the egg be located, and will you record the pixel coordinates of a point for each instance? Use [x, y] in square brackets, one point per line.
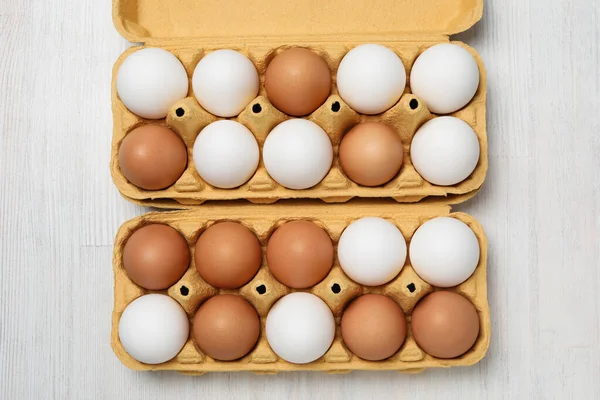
[371, 153]
[226, 154]
[225, 82]
[371, 78]
[445, 151]
[445, 77]
[152, 157]
[156, 256]
[153, 328]
[300, 328]
[226, 327]
[445, 324]
[150, 81]
[444, 252]
[227, 255]
[297, 81]
[373, 327]
[372, 251]
[300, 254]
[298, 154]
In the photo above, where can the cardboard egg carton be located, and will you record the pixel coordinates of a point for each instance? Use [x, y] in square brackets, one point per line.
[337, 290]
[190, 29]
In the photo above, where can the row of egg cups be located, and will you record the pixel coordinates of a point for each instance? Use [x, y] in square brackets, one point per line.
[359, 231]
[370, 78]
[298, 154]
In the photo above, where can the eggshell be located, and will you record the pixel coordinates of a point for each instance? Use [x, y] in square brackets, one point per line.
[226, 327]
[445, 77]
[300, 328]
[300, 254]
[153, 328]
[445, 324]
[227, 255]
[150, 81]
[152, 157]
[445, 151]
[444, 252]
[156, 256]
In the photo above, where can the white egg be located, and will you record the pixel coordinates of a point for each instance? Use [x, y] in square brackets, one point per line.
[298, 154]
[445, 151]
[150, 81]
[445, 77]
[372, 251]
[226, 154]
[371, 78]
[153, 328]
[225, 82]
[444, 252]
[300, 328]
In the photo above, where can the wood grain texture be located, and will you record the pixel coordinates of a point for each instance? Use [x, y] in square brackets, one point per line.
[540, 207]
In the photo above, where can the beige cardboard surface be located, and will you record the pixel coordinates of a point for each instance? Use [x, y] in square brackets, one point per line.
[263, 220]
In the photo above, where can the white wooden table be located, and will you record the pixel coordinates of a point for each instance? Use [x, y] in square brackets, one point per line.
[540, 206]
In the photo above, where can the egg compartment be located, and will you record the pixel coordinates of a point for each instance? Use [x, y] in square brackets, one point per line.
[337, 290]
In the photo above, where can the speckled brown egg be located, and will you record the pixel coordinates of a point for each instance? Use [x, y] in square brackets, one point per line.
[156, 256]
[298, 81]
[371, 153]
[445, 324]
[227, 255]
[152, 157]
[300, 254]
[373, 327]
[226, 327]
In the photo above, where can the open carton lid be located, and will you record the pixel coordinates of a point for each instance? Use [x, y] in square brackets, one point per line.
[150, 21]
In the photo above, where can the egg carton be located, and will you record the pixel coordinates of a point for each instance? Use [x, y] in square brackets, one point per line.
[337, 290]
[188, 118]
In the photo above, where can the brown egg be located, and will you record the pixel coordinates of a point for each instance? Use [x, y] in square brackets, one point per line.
[300, 254]
[445, 324]
[228, 255]
[298, 81]
[156, 256]
[371, 153]
[152, 157]
[373, 327]
[226, 327]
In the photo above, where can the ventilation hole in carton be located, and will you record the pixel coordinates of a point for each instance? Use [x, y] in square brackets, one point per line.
[184, 290]
[180, 112]
[256, 108]
[262, 289]
[335, 107]
[414, 104]
[335, 288]
[411, 287]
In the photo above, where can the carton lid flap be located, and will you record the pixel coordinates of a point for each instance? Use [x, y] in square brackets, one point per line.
[148, 20]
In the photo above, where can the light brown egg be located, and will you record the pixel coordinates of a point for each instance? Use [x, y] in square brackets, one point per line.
[373, 327]
[226, 327]
[156, 256]
[227, 255]
[445, 324]
[371, 153]
[299, 254]
[297, 81]
[152, 157]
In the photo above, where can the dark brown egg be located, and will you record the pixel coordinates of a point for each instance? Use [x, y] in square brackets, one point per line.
[445, 324]
[152, 157]
[371, 153]
[300, 254]
[373, 327]
[226, 327]
[227, 255]
[298, 81]
[156, 256]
